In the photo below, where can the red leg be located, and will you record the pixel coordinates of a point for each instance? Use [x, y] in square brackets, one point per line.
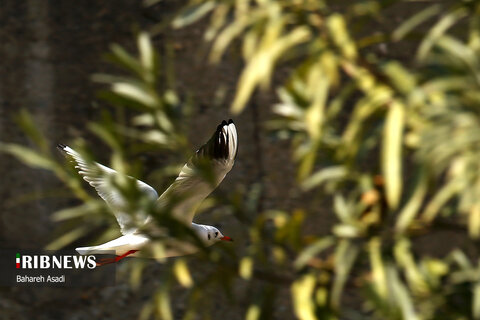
[117, 258]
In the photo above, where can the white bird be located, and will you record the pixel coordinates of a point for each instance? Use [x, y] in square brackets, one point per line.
[190, 188]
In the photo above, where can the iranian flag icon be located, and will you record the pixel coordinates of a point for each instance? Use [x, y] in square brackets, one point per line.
[17, 260]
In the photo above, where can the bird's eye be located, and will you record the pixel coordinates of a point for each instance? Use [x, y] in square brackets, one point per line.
[208, 236]
[216, 234]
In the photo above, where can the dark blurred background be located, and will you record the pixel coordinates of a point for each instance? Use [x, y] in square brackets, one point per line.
[50, 50]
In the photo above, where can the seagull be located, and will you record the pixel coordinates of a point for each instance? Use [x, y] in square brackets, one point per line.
[191, 187]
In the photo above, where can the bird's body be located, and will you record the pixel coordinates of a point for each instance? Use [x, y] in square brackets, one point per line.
[197, 179]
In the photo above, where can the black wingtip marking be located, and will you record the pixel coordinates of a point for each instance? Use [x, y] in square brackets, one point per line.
[61, 147]
[218, 146]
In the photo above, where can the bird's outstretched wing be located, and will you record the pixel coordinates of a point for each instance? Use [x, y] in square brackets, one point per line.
[202, 173]
[101, 178]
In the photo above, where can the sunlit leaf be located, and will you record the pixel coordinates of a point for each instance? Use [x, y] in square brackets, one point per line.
[411, 209]
[438, 30]
[135, 92]
[302, 291]
[378, 269]
[253, 312]
[474, 221]
[147, 54]
[338, 29]
[260, 66]
[163, 304]
[403, 299]
[441, 197]
[246, 268]
[404, 257]
[392, 152]
[180, 269]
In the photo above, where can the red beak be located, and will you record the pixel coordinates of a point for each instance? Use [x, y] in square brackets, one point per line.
[225, 238]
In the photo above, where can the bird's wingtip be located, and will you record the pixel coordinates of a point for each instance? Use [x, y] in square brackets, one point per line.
[223, 124]
[61, 147]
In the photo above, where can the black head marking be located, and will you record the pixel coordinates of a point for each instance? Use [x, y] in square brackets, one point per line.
[208, 236]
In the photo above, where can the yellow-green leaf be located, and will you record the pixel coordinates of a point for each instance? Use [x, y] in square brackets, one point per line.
[302, 291]
[28, 156]
[392, 152]
[182, 273]
[246, 268]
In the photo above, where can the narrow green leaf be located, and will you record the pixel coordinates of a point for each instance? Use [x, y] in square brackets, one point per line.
[28, 156]
[314, 116]
[180, 269]
[324, 175]
[25, 120]
[259, 68]
[302, 291]
[378, 269]
[147, 54]
[122, 57]
[401, 77]
[253, 312]
[78, 211]
[442, 196]
[136, 272]
[405, 259]
[105, 135]
[474, 221]
[136, 92]
[312, 250]
[67, 238]
[402, 297]
[392, 152]
[246, 268]
[345, 256]
[476, 301]
[193, 13]
[163, 304]
[438, 30]
[338, 31]
[415, 20]
[411, 209]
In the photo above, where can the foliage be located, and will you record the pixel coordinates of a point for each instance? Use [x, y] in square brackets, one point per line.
[395, 144]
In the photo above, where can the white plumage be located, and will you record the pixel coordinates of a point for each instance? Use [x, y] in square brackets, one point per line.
[197, 179]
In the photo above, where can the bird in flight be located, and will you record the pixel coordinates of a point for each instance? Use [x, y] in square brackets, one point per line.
[191, 187]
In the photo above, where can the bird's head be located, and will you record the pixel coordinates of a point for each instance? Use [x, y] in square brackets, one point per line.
[211, 235]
